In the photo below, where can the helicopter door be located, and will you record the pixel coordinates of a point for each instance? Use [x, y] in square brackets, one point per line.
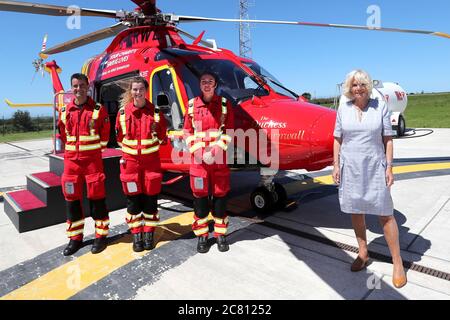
[163, 81]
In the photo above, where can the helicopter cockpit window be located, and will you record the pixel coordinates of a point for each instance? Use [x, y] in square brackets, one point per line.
[171, 53]
[273, 82]
[162, 83]
[233, 82]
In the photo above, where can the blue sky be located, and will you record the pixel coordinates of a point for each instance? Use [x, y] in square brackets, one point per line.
[303, 58]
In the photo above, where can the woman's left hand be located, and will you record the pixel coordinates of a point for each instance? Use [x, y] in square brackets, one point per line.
[389, 177]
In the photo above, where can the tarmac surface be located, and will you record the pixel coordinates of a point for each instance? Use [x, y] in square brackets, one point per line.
[302, 252]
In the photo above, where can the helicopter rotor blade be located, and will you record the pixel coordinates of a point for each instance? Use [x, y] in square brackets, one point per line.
[178, 18]
[148, 6]
[203, 42]
[86, 39]
[52, 10]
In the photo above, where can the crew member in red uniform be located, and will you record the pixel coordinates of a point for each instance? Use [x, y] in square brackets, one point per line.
[84, 127]
[140, 131]
[205, 128]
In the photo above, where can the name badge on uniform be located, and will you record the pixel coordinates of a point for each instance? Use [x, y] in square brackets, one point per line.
[132, 187]
[70, 188]
[198, 183]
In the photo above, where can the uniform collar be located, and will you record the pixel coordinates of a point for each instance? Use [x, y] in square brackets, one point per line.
[135, 109]
[200, 103]
[89, 103]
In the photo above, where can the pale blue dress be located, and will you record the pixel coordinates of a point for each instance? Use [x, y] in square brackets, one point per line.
[362, 188]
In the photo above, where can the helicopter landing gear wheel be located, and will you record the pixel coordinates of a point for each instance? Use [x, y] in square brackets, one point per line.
[280, 195]
[262, 200]
[401, 128]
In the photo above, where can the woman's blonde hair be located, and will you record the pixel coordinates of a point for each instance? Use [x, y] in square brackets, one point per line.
[126, 97]
[360, 76]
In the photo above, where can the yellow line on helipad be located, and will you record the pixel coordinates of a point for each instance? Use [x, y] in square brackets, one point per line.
[397, 170]
[74, 276]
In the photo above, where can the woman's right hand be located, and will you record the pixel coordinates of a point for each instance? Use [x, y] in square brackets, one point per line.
[336, 174]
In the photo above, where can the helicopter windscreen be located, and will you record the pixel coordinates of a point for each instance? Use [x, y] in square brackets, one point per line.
[233, 82]
[274, 83]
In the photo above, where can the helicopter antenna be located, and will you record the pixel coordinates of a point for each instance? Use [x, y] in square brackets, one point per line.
[245, 42]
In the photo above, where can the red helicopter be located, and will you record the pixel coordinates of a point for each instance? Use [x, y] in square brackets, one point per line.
[148, 43]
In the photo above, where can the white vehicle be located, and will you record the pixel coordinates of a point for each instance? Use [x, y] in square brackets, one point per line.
[396, 99]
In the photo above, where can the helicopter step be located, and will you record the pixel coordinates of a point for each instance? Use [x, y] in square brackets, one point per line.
[42, 203]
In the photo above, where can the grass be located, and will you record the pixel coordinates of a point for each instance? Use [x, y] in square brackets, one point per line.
[10, 137]
[428, 111]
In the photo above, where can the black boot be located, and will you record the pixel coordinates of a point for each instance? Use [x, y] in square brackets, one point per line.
[99, 245]
[138, 244]
[202, 245]
[222, 244]
[72, 247]
[148, 240]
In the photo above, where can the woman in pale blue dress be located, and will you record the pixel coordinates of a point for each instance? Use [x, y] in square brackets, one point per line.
[363, 153]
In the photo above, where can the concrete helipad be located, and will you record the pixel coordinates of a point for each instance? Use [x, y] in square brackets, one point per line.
[301, 253]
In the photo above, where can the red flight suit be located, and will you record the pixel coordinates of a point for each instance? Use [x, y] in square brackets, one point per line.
[85, 132]
[205, 128]
[140, 168]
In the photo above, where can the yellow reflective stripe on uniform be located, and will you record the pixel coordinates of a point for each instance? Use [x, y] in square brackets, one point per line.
[224, 105]
[156, 116]
[225, 137]
[63, 114]
[70, 147]
[214, 134]
[177, 133]
[130, 216]
[129, 150]
[71, 138]
[122, 121]
[95, 114]
[104, 143]
[190, 139]
[130, 142]
[221, 221]
[150, 150]
[75, 224]
[200, 134]
[222, 145]
[74, 233]
[202, 221]
[145, 142]
[89, 147]
[99, 223]
[201, 231]
[135, 224]
[149, 223]
[102, 232]
[151, 216]
[89, 138]
[191, 106]
[197, 146]
[220, 230]
[191, 112]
